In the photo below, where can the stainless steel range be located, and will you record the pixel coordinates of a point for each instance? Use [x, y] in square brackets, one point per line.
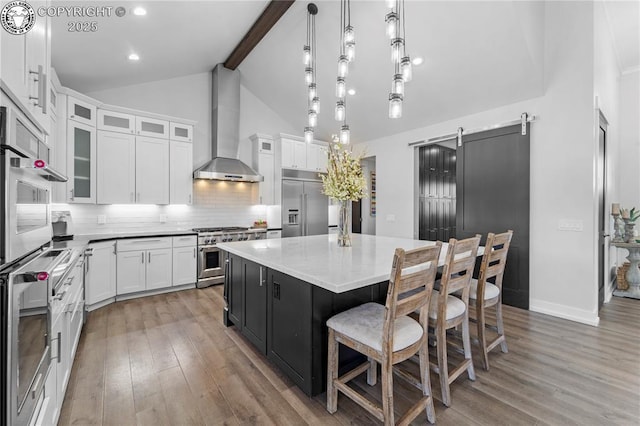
[210, 260]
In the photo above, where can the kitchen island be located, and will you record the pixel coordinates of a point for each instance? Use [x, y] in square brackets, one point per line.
[280, 293]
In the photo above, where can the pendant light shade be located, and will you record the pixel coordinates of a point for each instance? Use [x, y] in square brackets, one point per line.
[315, 104]
[406, 69]
[340, 111]
[308, 75]
[397, 49]
[306, 55]
[390, 3]
[349, 34]
[341, 88]
[345, 135]
[392, 24]
[350, 50]
[308, 134]
[395, 105]
[343, 66]
[398, 85]
[313, 91]
[313, 118]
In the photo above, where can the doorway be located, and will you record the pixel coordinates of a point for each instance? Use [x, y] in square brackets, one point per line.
[601, 170]
[363, 212]
[477, 187]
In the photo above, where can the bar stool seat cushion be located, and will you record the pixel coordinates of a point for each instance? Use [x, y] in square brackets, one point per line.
[455, 306]
[364, 324]
[490, 290]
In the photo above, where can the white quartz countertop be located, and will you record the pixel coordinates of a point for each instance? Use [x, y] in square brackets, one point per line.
[319, 261]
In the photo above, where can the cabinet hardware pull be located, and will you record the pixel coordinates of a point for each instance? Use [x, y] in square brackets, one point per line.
[71, 194]
[149, 257]
[194, 252]
[261, 276]
[36, 384]
[41, 79]
[142, 260]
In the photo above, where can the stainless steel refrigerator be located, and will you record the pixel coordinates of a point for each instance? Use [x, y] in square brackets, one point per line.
[304, 208]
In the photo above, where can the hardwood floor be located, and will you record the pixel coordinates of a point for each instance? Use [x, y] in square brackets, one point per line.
[168, 360]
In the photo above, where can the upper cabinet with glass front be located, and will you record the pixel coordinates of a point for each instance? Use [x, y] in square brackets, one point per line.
[81, 111]
[81, 162]
[181, 132]
[113, 121]
[152, 127]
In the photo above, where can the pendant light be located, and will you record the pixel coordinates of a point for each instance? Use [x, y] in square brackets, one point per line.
[308, 134]
[406, 69]
[395, 105]
[340, 110]
[343, 66]
[341, 87]
[392, 24]
[390, 3]
[397, 49]
[310, 70]
[398, 84]
[345, 134]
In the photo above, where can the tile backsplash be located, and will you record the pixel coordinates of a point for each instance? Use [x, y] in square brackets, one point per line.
[217, 203]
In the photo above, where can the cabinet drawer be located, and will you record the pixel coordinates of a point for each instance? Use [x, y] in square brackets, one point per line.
[185, 241]
[143, 244]
[116, 121]
[181, 132]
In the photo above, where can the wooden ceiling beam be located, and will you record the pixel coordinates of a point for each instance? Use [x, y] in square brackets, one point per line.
[271, 14]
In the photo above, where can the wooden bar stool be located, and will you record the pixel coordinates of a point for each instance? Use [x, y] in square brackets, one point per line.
[387, 335]
[448, 311]
[486, 291]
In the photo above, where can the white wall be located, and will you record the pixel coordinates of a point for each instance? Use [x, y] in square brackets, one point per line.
[562, 278]
[629, 138]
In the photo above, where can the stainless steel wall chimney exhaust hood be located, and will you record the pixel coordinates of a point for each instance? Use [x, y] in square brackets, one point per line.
[226, 131]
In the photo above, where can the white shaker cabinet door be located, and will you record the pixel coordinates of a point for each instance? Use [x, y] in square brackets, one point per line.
[152, 171]
[159, 268]
[131, 271]
[116, 168]
[185, 263]
[180, 172]
[101, 273]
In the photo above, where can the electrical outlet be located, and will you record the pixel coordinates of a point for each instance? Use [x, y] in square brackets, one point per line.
[102, 219]
[163, 218]
[574, 225]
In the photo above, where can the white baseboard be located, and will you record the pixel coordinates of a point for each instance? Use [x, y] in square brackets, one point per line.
[563, 311]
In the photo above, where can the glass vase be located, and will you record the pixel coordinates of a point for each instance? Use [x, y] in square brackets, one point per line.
[344, 224]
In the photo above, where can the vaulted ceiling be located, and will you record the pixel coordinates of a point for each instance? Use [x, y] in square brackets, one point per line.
[477, 55]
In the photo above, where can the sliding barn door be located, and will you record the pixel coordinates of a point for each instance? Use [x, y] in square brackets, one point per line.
[492, 182]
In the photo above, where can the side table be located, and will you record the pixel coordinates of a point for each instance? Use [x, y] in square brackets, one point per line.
[633, 274]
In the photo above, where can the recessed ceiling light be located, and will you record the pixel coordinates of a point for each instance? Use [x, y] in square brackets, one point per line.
[418, 60]
[134, 57]
[351, 92]
[139, 11]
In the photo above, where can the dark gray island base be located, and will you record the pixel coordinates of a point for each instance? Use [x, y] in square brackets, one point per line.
[285, 318]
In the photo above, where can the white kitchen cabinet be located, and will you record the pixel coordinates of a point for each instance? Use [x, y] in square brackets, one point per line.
[81, 111]
[185, 261]
[317, 158]
[131, 272]
[25, 62]
[159, 268]
[49, 411]
[116, 168]
[114, 121]
[274, 234]
[81, 162]
[101, 273]
[180, 172]
[143, 264]
[294, 154]
[152, 127]
[264, 163]
[180, 132]
[152, 170]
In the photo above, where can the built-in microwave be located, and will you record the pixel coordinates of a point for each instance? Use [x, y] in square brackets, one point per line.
[20, 135]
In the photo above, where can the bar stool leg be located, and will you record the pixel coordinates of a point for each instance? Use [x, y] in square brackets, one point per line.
[466, 343]
[443, 367]
[426, 380]
[503, 344]
[387, 392]
[482, 339]
[372, 372]
[332, 373]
